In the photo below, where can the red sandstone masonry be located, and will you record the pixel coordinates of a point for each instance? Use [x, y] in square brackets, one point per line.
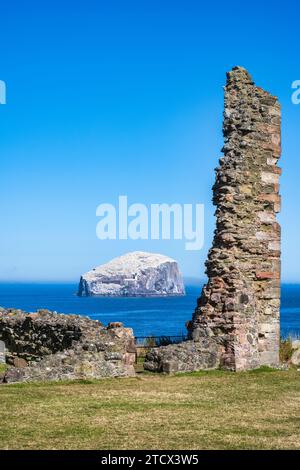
[247, 236]
[267, 275]
[236, 322]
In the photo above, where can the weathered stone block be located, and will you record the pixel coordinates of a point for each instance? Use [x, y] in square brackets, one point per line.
[2, 352]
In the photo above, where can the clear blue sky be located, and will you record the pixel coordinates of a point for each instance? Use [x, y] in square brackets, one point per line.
[109, 98]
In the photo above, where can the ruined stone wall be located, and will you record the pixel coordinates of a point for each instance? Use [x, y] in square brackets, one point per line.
[239, 306]
[49, 346]
[236, 323]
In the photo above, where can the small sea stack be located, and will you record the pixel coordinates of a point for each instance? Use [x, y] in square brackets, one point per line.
[135, 274]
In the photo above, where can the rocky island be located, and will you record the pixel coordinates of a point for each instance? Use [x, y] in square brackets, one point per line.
[134, 274]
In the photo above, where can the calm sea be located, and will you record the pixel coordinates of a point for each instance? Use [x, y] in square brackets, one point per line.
[147, 316]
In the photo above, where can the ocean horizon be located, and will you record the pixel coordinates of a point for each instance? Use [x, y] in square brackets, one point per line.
[148, 316]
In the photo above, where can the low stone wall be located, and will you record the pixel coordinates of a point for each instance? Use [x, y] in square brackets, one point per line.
[49, 346]
[184, 357]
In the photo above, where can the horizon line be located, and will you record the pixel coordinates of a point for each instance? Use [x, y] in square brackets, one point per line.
[186, 279]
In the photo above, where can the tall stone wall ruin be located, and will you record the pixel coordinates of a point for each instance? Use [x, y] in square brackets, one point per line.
[240, 303]
[237, 315]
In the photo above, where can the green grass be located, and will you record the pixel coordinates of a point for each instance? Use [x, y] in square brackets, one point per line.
[204, 410]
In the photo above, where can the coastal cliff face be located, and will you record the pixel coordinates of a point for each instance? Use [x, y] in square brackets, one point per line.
[238, 309]
[48, 346]
[134, 274]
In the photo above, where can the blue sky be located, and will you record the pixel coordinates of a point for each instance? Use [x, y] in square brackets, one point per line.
[111, 98]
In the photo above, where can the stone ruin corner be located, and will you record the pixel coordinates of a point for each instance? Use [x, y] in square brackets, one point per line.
[45, 346]
[236, 322]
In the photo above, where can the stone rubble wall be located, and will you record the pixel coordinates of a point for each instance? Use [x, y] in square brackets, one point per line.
[239, 306]
[49, 346]
[187, 356]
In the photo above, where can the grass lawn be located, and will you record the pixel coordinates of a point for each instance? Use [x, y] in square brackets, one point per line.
[206, 410]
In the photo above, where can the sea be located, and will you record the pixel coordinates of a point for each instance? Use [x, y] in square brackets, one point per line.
[152, 316]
